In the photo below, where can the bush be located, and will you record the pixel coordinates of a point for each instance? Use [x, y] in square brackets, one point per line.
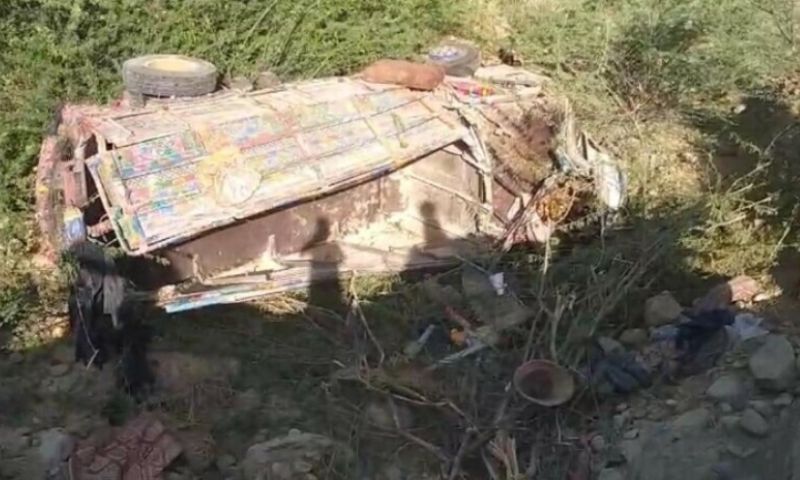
[654, 53]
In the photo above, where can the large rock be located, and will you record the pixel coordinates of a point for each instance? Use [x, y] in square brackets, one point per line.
[55, 447]
[727, 388]
[661, 309]
[773, 364]
[656, 455]
[698, 418]
[753, 423]
[292, 456]
[634, 337]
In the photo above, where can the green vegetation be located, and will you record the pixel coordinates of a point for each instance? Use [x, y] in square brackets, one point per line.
[55, 51]
[654, 81]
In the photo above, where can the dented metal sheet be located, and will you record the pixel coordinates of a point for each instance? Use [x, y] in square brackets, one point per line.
[226, 161]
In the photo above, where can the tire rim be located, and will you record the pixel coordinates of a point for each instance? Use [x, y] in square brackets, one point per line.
[446, 53]
[173, 64]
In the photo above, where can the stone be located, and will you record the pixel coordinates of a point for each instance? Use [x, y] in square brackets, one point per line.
[620, 420]
[739, 289]
[753, 423]
[661, 309]
[773, 364]
[241, 83]
[727, 388]
[59, 369]
[631, 434]
[267, 79]
[598, 443]
[634, 337]
[609, 345]
[225, 463]
[739, 451]
[726, 408]
[763, 407]
[611, 474]
[55, 447]
[671, 402]
[621, 407]
[729, 422]
[693, 419]
[16, 358]
[274, 458]
[783, 400]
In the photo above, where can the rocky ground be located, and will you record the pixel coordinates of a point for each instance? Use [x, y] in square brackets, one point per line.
[256, 417]
[738, 422]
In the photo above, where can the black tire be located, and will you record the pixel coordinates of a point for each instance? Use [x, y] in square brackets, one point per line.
[458, 59]
[169, 76]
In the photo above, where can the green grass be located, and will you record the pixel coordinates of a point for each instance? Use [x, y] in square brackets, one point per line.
[654, 81]
[55, 51]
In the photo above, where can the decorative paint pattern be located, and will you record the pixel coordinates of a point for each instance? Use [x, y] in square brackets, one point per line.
[252, 153]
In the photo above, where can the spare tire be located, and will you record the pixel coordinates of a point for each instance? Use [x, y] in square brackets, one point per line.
[458, 59]
[169, 76]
